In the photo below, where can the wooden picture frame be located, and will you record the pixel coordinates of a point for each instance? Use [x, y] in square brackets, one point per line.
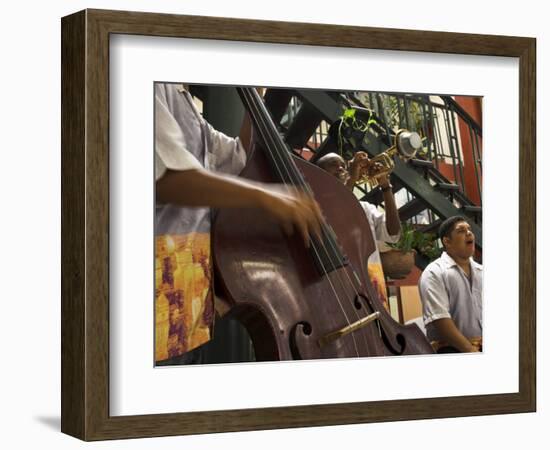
[85, 224]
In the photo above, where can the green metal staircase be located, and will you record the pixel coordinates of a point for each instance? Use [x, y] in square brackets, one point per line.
[300, 114]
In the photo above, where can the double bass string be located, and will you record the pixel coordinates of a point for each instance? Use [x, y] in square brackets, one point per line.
[296, 178]
[300, 181]
[264, 131]
[332, 243]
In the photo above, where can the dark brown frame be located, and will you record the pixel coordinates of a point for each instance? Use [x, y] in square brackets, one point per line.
[85, 224]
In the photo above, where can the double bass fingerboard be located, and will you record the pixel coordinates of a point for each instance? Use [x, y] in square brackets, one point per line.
[326, 252]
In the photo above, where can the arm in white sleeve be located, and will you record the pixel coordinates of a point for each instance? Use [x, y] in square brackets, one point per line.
[435, 300]
[170, 151]
[379, 221]
[227, 154]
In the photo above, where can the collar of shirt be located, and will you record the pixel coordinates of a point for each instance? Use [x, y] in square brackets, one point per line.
[449, 262]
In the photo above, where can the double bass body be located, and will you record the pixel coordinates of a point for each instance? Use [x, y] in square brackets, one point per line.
[287, 305]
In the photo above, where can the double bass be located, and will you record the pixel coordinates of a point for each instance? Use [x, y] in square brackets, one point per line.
[298, 302]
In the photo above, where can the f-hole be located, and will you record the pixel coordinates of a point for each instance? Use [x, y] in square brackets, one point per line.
[299, 330]
[362, 302]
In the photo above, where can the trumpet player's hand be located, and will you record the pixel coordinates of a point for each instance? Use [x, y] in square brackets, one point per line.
[358, 164]
[357, 168]
[383, 181]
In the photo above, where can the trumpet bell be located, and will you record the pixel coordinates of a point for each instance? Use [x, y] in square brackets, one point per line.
[408, 143]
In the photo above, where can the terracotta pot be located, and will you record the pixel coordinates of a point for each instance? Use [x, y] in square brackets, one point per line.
[397, 264]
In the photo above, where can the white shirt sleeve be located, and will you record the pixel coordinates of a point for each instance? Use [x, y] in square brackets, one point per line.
[226, 154]
[378, 220]
[170, 151]
[435, 300]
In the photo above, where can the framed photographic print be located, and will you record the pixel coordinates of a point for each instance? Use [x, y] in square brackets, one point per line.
[248, 279]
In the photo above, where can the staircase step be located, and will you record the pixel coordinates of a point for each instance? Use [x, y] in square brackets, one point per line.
[411, 209]
[431, 227]
[376, 197]
[447, 186]
[422, 163]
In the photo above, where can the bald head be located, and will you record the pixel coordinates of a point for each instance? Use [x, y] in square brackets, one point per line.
[335, 165]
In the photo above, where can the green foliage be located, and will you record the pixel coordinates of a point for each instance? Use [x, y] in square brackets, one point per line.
[392, 106]
[351, 132]
[412, 239]
[348, 114]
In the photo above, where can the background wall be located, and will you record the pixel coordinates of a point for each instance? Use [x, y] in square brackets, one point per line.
[30, 223]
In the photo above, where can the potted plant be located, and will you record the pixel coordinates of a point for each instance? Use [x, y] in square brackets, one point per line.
[399, 261]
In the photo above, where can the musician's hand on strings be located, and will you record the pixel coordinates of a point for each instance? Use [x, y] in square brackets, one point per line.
[294, 210]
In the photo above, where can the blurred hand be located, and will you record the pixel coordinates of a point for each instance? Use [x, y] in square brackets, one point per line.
[294, 210]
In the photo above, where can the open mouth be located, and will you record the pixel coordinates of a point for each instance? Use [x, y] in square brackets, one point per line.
[470, 242]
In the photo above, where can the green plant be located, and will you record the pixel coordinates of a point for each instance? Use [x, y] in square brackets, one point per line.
[412, 239]
[351, 131]
[396, 119]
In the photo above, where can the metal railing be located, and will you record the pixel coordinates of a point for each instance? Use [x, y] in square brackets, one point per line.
[451, 138]
[449, 134]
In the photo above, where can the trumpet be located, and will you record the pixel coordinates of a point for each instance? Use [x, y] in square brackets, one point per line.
[406, 144]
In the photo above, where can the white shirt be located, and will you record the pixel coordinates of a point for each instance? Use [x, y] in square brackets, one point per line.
[183, 141]
[377, 222]
[171, 146]
[446, 292]
[183, 286]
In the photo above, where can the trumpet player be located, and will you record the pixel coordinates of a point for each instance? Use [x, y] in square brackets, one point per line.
[385, 226]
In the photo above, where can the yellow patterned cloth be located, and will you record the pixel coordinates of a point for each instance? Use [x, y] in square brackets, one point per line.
[379, 229]
[376, 275]
[184, 307]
